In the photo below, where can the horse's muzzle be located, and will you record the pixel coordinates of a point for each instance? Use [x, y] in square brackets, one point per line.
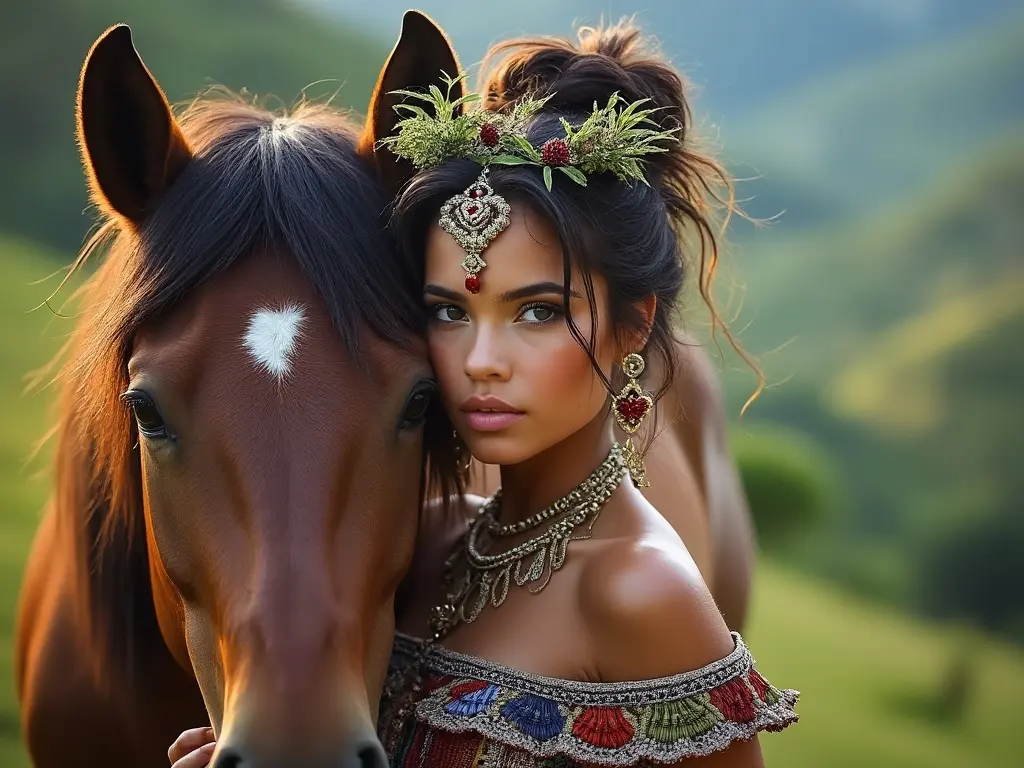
[365, 752]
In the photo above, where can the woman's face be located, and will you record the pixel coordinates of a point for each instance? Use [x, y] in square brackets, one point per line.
[513, 378]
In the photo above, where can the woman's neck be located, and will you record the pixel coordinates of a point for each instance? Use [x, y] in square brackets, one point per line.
[534, 484]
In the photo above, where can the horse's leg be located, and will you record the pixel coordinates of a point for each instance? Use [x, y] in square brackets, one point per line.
[67, 720]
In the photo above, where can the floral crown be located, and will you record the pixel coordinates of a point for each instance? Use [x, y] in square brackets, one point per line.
[612, 139]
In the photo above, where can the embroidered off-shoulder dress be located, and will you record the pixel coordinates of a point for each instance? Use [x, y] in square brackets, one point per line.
[471, 713]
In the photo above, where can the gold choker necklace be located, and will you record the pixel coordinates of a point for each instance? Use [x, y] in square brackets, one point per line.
[487, 578]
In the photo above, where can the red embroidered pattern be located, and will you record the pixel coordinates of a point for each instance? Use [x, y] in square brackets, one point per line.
[734, 700]
[760, 685]
[603, 727]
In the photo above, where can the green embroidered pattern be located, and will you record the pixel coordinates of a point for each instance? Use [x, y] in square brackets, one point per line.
[672, 721]
[772, 695]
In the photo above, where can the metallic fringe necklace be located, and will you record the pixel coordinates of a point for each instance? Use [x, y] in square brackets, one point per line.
[487, 578]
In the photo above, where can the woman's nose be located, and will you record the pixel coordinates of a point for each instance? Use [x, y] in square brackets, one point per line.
[486, 359]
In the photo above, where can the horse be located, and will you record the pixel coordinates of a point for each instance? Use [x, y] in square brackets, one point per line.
[241, 441]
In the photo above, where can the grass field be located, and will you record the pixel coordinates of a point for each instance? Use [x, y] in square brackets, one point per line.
[869, 678]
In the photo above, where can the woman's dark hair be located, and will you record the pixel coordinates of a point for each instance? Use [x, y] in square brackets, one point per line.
[632, 234]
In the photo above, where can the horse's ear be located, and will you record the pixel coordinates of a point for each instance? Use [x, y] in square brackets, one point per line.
[421, 54]
[131, 145]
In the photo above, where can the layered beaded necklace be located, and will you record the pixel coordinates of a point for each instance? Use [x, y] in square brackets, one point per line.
[486, 578]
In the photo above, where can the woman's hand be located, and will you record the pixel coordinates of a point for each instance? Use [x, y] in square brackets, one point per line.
[193, 749]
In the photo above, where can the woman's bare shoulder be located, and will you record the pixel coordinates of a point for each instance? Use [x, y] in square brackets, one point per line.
[649, 613]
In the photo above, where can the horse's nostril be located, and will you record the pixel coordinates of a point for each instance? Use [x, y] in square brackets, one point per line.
[371, 755]
[229, 759]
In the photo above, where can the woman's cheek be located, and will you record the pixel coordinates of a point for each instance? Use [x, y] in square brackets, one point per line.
[563, 383]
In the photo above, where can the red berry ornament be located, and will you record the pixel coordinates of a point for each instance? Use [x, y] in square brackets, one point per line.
[555, 152]
[489, 134]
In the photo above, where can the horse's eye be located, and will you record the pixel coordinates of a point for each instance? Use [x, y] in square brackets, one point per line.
[417, 405]
[147, 416]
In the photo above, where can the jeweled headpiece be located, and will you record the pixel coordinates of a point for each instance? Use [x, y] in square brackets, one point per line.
[611, 140]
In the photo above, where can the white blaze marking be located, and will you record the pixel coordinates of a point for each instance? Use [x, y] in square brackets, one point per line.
[272, 336]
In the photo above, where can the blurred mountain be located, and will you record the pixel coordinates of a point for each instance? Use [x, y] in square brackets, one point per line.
[856, 141]
[744, 54]
[876, 273]
[266, 46]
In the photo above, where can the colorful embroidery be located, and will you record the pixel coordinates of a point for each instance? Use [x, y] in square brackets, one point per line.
[674, 721]
[483, 715]
[605, 727]
[535, 716]
[766, 692]
[471, 698]
[735, 700]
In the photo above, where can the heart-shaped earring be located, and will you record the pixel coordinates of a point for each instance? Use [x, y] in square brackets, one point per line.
[630, 407]
[474, 217]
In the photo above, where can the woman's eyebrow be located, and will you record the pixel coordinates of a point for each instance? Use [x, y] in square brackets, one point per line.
[442, 293]
[536, 289]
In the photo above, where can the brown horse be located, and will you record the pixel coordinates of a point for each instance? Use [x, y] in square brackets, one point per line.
[241, 443]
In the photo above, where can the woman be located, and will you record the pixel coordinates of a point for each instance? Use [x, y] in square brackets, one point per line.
[561, 621]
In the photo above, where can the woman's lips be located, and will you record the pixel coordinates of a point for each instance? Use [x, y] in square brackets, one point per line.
[487, 413]
[491, 421]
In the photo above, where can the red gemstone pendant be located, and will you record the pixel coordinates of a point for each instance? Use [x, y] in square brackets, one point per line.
[473, 284]
[633, 408]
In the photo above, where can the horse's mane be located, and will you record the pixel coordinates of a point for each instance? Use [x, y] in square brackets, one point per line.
[258, 179]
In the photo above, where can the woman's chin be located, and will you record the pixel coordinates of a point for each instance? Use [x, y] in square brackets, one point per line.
[497, 449]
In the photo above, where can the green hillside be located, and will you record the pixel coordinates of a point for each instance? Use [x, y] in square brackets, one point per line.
[880, 131]
[266, 46]
[829, 292]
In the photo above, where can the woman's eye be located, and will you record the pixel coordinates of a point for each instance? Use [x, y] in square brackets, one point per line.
[539, 313]
[449, 313]
[417, 406]
[151, 423]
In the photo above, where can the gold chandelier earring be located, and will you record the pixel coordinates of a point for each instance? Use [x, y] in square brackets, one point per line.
[630, 407]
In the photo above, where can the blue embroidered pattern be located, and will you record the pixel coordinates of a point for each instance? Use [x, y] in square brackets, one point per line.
[474, 702]
[534, 716]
